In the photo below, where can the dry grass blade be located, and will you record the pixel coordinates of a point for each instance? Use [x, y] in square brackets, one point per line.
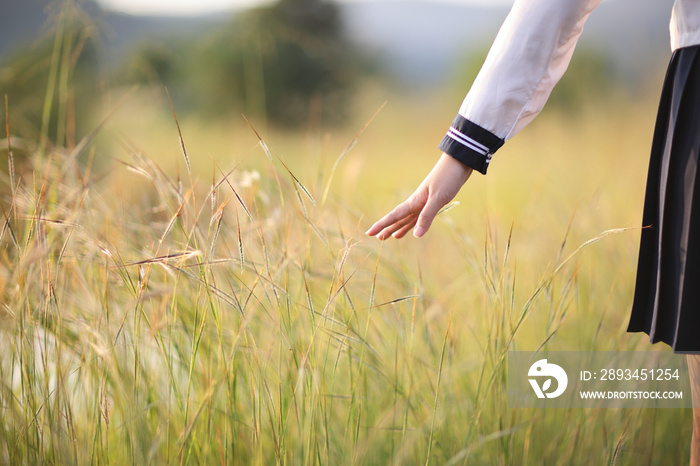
[269, 155]
[297, 182]
[212, 193]
[566, 236]
[241, 252]
[595, 239]
[398, 300]
[227, 181]
[447, 207]
[170, 225]
[615, 457]
[339, 269]
[304, 212]
[167, 258]
[347, 150]
[265, 149]
[315, 229]
[179, 133]
[8, 226]
[156, 174]
[10, 156]
[308, 294]
[218, 217]
[137, 170]
[332, 298]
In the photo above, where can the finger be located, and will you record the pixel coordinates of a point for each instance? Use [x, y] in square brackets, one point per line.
[405, 229]
[399, 212]
[394, 227]
[425, 219]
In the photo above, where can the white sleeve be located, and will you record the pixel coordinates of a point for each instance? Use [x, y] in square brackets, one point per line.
[528, 57]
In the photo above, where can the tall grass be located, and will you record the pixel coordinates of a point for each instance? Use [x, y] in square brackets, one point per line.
[150, 318]
[238, 315]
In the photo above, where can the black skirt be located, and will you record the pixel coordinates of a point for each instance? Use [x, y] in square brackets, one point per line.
[667, 292]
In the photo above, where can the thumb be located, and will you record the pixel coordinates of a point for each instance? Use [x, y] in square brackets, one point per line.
[426, 216]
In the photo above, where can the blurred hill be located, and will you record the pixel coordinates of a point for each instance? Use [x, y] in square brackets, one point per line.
[22, 22]
[421, 41]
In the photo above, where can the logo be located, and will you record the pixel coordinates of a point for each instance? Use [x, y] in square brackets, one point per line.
[543, 369]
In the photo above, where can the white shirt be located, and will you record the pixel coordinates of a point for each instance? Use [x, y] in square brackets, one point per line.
[685, 24]
[530, 54]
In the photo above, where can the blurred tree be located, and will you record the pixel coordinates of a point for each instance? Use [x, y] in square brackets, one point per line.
[588, 79]
[153, 63]
[282, 63]
[299, 55]
[51, 86]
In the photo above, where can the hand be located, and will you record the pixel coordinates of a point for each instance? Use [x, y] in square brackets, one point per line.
[437, 189]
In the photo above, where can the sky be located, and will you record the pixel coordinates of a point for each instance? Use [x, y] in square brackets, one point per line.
[196, 7]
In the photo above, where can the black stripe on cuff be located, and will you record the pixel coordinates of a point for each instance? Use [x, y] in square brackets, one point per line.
[470, 144]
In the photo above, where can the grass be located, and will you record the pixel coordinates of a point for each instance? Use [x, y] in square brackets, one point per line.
[175, 292]
[158, 318]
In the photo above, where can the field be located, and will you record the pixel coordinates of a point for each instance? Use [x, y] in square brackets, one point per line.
[176, 291]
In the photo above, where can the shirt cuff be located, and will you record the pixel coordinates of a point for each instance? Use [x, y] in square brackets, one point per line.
[470, 144]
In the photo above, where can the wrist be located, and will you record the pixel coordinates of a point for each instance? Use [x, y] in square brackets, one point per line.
[458, 169]
[470, 144]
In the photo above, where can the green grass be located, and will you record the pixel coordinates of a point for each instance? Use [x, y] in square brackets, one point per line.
[160, 315]
[190, 292]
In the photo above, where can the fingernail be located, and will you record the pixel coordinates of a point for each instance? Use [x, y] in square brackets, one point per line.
[418, 231]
